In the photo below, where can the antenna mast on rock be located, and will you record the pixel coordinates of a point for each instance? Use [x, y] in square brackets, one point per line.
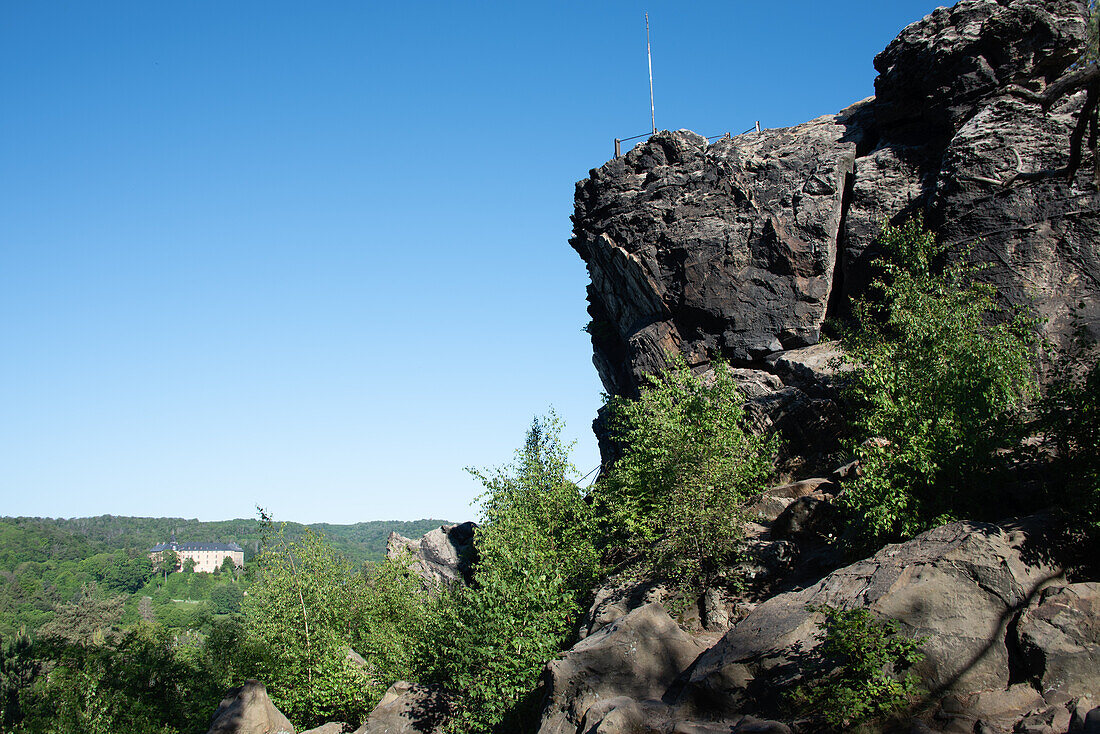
[649, 55]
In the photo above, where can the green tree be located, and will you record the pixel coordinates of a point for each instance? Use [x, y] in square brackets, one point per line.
[392, 615]
[127, 575]
[227, 598]
[939, 374]
[144, 681]
[86, 621]
[490, 641]
[534, 504]
[18, 669]
[301, 609]
[690, 460]
[228, 566]
[168, 561]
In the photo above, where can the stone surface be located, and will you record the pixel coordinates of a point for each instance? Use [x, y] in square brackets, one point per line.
[998, 710]
[441, 556]
[770, 504]
[948, 131]
[624, 715]
[806, 519]
[332, 727]
[959, 585]
[1091, 723]
[638, 656]
[408, 708]
[1060, 639]
[247, 709]
[742, 248]
[724, 248]
[616, 598]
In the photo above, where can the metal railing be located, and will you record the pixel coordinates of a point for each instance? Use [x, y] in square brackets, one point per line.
[620, 141]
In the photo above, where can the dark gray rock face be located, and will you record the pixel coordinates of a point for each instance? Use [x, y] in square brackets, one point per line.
[727, 248]
[742, 248]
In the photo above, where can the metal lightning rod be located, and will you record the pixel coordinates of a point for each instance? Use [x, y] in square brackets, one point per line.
[649, 55]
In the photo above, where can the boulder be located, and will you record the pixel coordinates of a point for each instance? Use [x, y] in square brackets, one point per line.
[442, 556]
[767, 506]
[807, 518]
[1059, 636]
[997, 710]
[332, 727]
[958, 586]
[1090, 724]
[616, 598]
[408, 708]
[247, 709]
[638, 656]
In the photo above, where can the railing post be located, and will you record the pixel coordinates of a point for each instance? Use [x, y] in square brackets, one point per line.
[758, 126]
[618, 151]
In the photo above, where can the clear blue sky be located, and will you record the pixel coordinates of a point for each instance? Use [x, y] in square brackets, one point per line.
[314, 256]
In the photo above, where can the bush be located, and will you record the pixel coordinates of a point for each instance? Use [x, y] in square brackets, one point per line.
[940, 373]
[391, 618]
[690, 460]
[144, 681]
[301, 609]
[868, 676]
[489, 642]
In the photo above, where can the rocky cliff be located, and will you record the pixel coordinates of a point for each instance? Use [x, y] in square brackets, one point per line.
[743, 248]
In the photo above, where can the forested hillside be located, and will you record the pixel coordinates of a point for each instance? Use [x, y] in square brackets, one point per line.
[45, 562]
[75, 538]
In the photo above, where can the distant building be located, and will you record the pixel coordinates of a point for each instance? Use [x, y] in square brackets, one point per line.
[207, 556]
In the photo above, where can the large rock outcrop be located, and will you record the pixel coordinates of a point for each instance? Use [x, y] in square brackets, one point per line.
[960, 586]
[1007, 644]
[441, 556]
[744, 247]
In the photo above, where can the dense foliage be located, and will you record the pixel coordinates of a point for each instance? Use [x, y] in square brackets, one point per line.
[490, 641]
[939, 376]
[1070, 426]
[329, 639]
[690, 460]
[866, 663]
[301, 608]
